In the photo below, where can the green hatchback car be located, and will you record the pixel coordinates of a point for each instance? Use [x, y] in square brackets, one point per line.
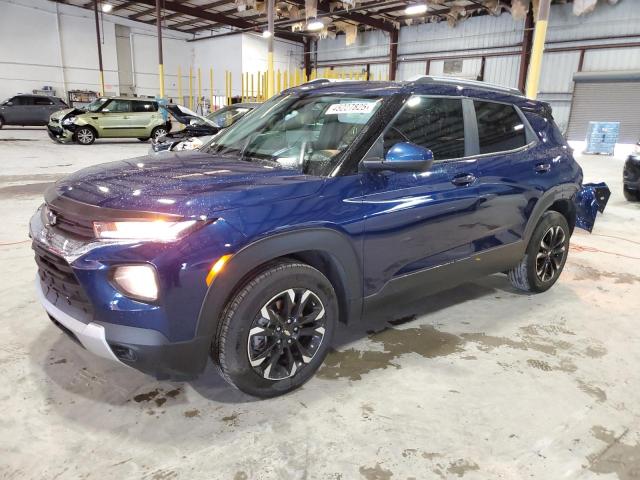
[109, 118]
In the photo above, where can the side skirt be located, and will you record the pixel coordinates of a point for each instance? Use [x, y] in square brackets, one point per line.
[394, 298]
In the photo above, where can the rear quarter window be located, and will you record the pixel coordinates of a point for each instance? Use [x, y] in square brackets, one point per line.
[145, 106]
[500, 128]
[42, 101]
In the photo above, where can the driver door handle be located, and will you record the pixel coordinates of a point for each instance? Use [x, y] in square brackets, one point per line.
[463, 179]
[543, 167]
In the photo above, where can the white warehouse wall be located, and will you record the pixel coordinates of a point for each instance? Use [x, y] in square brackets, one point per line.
[502, 35]
[45, 43]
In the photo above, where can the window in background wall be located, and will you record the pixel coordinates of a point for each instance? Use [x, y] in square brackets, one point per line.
[452, 67]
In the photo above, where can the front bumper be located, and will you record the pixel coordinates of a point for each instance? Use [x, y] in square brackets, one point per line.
[58, 133]
[74, 290]
[90, 335]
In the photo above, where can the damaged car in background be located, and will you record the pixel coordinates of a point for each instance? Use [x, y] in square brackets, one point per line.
[197, 130]
[631, 176]
[124, 117]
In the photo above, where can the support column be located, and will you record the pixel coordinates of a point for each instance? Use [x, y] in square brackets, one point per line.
[539, 36]
[95, 11]
[307, 60]
[160, 60]
[525, 56]
[270, 67]
[393, 53]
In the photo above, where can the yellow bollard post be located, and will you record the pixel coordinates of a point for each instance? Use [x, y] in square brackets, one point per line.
[191, 88]
[180, 96]
[278, 82]
[200, 102]
[253, 92]
[285, 80]
[230, 88]
[212, 95]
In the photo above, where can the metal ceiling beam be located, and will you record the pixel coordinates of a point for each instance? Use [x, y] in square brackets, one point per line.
[216, 17]
[199, 12]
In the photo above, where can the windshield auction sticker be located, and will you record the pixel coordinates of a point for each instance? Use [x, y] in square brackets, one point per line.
[350, 107]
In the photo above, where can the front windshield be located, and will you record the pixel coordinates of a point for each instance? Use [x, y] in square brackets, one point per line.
[96, 104]
[305, 132]
[225, 117]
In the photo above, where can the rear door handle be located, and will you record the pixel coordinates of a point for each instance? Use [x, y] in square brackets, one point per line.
[543, 167]
[463, 179]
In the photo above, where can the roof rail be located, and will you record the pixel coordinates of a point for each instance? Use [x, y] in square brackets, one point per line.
[320, 81]
[422, 79]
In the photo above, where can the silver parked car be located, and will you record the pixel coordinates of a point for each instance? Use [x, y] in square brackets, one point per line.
[26, 109]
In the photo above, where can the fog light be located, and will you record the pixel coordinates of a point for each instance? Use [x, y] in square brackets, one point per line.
[137, 281]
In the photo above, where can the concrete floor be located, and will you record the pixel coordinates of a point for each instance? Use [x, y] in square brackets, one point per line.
[486, 383]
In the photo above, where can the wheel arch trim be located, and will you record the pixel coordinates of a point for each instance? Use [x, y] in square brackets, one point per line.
[327, 241]
[562, 192]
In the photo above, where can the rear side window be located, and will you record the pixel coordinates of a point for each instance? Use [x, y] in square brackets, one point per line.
[433, 123]
[145, 106]
[500, 128]
[42, 101]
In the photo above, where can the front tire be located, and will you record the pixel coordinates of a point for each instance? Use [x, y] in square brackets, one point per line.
[545, 256]
[85, 135]
[276, 331]
[1, 122]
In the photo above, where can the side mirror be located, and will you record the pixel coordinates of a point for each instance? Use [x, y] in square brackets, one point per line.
[403, 157]
[8, 104]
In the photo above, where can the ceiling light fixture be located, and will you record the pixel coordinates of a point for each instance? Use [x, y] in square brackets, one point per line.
[107, 7]
[416, 9]
[266, 34]
[315, 25]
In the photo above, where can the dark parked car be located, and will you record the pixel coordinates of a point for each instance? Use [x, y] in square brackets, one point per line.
[329, 203]
[198, 129]
[29, 110]
[631, 176]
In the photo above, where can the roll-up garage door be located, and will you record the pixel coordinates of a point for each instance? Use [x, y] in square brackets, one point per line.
[606, 97]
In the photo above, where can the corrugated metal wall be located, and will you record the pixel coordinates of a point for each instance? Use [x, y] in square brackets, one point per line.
[489, 34]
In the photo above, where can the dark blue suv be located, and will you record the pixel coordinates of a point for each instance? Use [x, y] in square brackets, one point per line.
[332, 202]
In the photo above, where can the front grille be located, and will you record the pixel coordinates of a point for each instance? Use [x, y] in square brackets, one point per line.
[57, 276]
[73, 224]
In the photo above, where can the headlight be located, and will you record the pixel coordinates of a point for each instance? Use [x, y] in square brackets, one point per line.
[160, 230]
[68, 120]
[136, 281]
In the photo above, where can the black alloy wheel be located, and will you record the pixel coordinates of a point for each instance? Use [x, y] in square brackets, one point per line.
[287, 334]
[550, 257]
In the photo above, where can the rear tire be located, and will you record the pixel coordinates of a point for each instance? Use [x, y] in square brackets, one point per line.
[85, 135]
[1, 123]
[545, 256]
[267, 357]
[631, 195]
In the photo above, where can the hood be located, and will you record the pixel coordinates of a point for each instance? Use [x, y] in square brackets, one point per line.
[185, 183]
[185, 116]
[60, 114]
